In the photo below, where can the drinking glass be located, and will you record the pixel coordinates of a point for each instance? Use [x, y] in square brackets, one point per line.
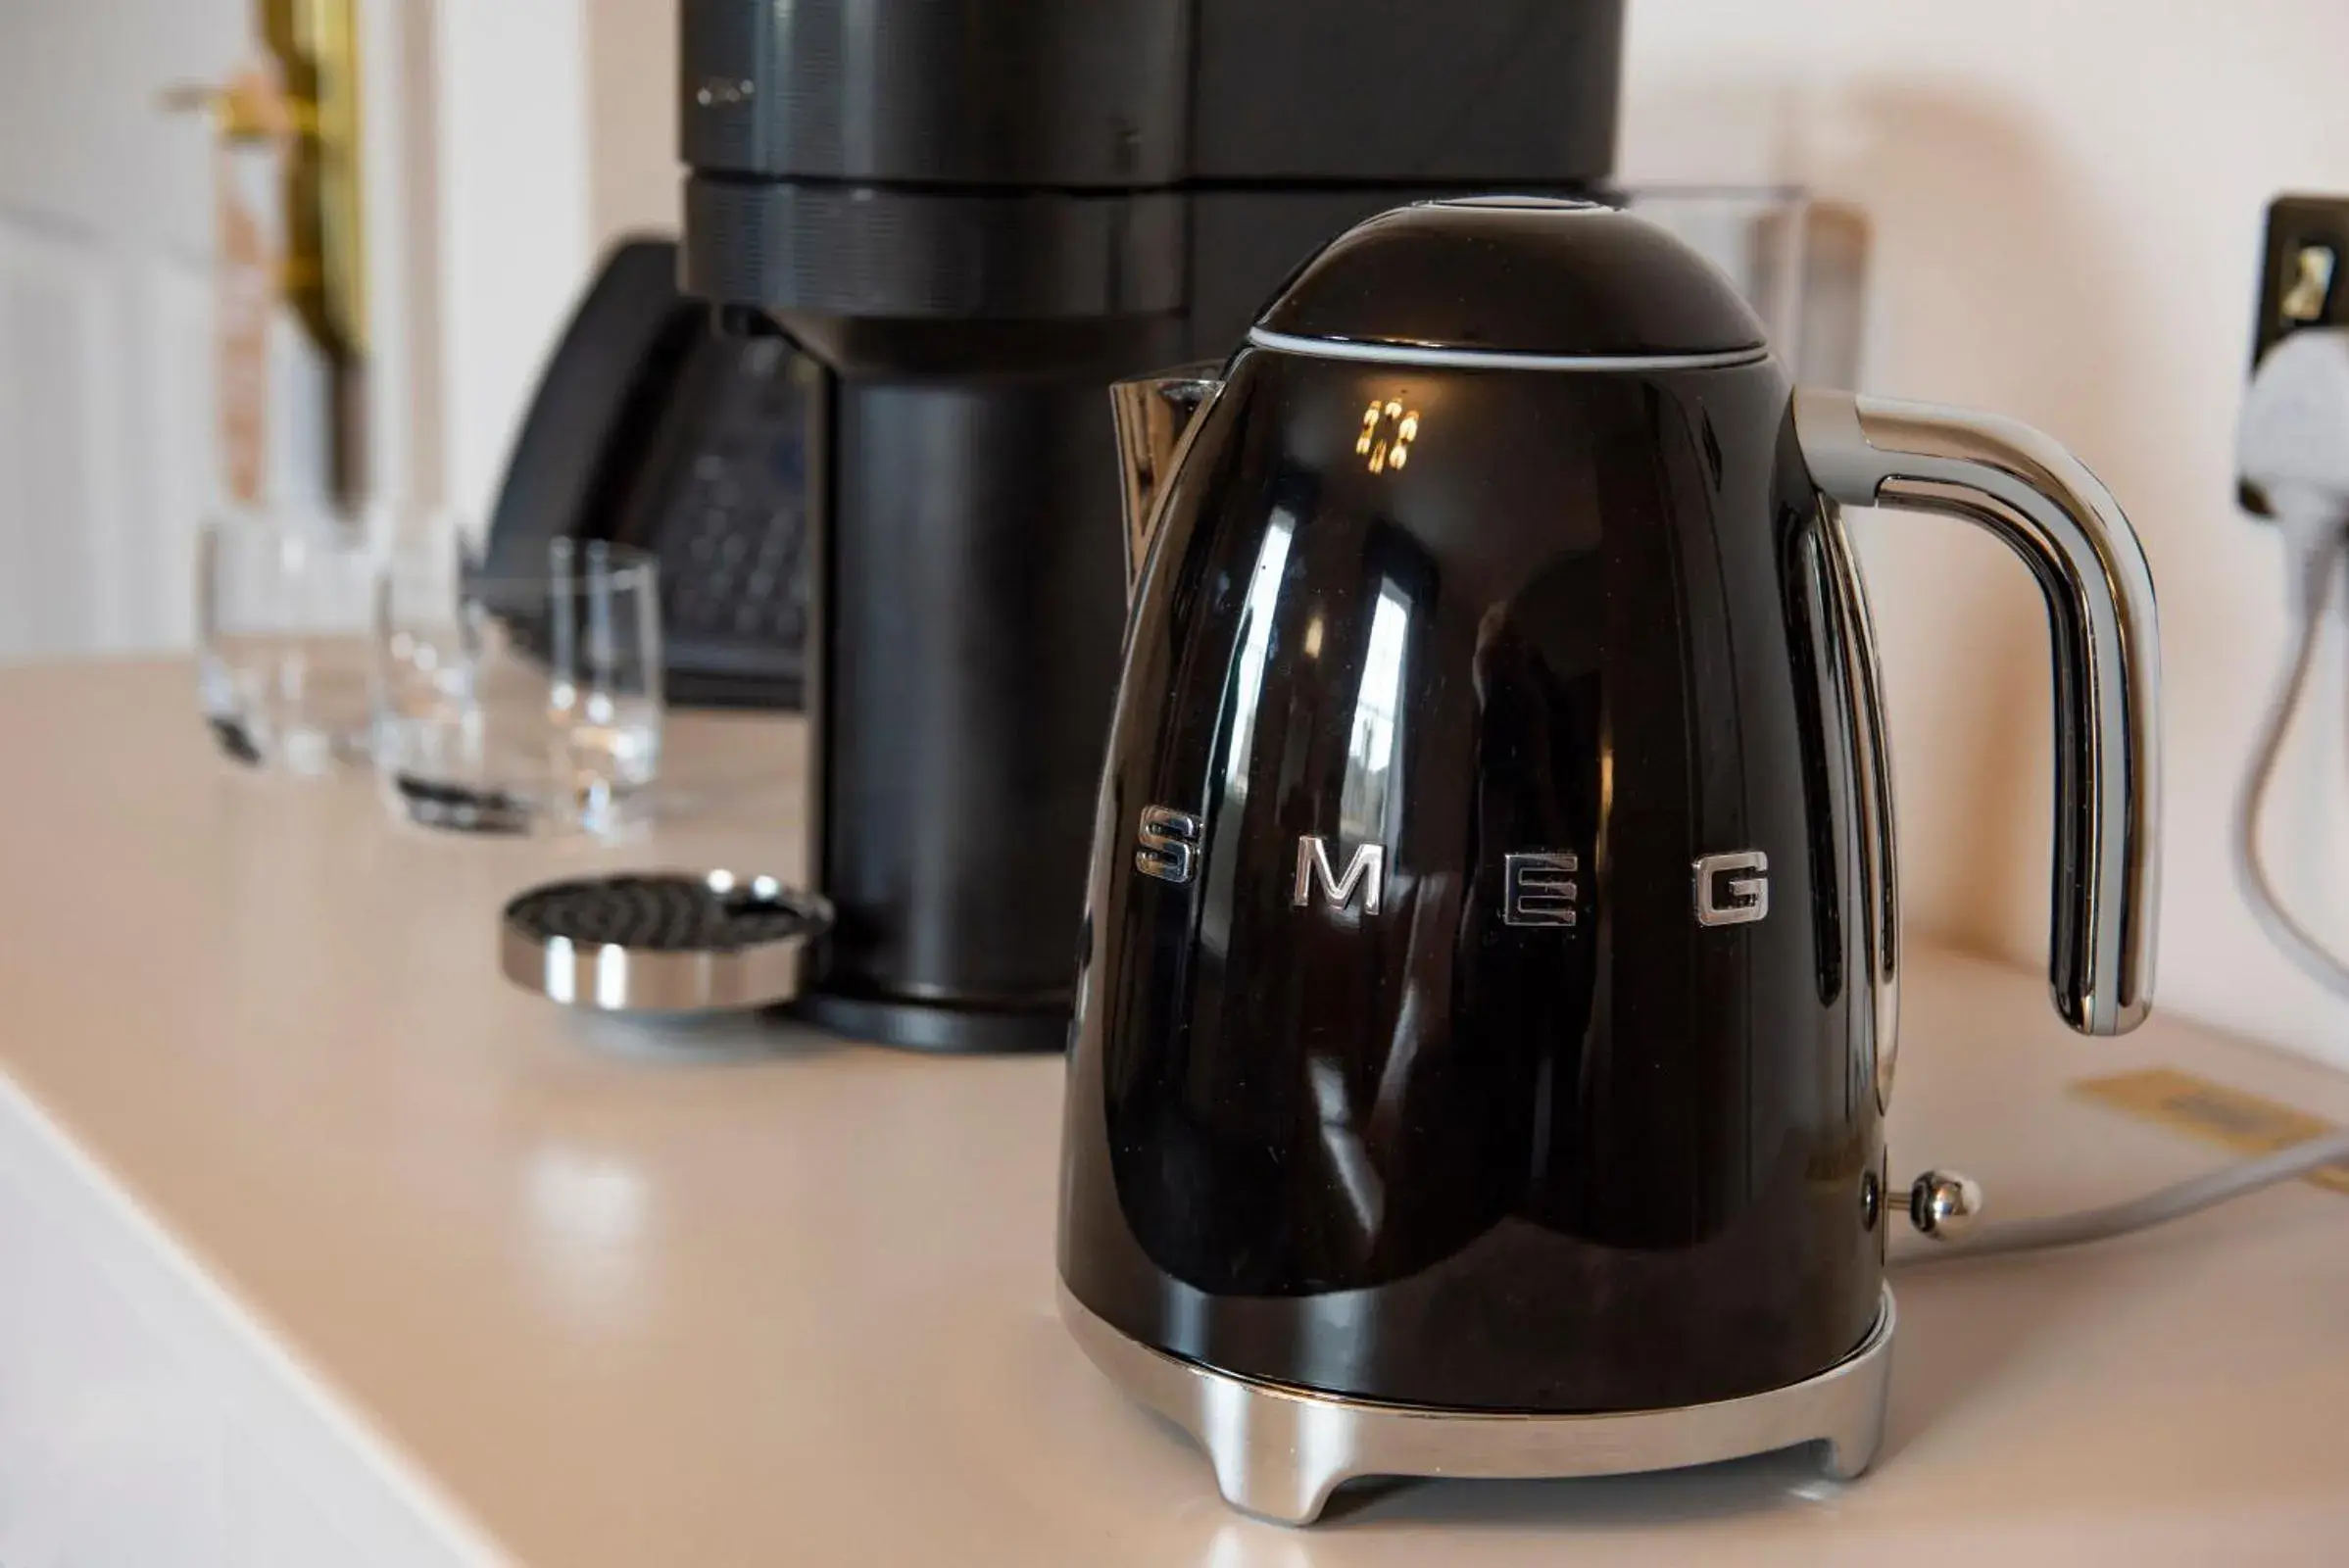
[521, 695]
[281, 616]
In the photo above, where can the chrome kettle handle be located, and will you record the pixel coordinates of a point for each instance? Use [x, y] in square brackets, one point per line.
[2049, 509]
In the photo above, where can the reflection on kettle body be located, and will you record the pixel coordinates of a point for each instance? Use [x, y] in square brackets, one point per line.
[1258, 610]
[1263, 604]
[1374, 747]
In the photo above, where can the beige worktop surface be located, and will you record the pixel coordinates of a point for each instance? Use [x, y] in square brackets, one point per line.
[627, 1298]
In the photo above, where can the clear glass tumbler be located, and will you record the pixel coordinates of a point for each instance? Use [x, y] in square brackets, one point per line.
[281, 616]
[519, 697]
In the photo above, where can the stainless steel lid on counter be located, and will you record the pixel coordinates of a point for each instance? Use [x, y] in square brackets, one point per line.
[664, 942]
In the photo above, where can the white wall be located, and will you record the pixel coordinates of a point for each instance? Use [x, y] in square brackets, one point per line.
[557, 133]
[2067, 203]
[110, 457]
[400, 181]
[636, 183]
[509, 82]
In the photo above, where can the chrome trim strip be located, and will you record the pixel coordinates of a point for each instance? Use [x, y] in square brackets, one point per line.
[1278, 1452]
[1880, 877]
[1322, 348]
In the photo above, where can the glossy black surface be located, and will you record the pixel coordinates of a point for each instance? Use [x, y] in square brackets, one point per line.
[1090, 93]
[1134, 94]
[1523, 276]
[1425, 1155]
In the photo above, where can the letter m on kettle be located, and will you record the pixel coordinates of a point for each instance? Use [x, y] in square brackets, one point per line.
[1367, 870]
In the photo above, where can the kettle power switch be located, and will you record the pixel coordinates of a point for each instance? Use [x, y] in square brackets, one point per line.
[1944, 1205]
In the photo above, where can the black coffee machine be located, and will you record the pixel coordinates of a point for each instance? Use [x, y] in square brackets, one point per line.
[970, 217]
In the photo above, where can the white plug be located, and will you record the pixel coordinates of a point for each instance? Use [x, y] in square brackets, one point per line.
[2293, 443]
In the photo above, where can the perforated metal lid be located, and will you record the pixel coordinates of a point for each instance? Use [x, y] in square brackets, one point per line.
[664, 942]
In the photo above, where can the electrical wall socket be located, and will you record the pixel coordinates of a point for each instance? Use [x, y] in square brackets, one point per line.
[2302, 282]
[2304, 269]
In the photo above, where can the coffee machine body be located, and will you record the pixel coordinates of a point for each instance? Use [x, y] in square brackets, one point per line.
[969, 217]
[1491, 987]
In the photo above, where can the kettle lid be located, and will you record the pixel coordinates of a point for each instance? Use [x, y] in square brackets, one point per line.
[1517, 275]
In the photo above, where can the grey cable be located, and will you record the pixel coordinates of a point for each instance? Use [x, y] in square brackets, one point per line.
[2314, 526]
[2137, 1213]
[2319, 553]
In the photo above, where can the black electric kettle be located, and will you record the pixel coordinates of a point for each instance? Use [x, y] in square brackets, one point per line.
[1487, 1008]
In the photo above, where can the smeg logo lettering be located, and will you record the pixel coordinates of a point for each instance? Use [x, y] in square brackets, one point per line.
[1538, 886]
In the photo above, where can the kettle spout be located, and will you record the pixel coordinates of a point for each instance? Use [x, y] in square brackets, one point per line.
[1154, 413]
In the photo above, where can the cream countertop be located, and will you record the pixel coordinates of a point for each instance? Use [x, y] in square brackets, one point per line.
[468, 1277]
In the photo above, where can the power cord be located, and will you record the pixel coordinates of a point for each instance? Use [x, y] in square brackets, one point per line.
[2293, 444]
[2157, 1207]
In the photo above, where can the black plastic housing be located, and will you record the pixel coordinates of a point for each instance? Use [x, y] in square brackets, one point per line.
[975, 213]
[1132, 94]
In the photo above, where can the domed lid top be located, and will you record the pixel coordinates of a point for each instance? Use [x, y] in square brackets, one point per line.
[1513, 275]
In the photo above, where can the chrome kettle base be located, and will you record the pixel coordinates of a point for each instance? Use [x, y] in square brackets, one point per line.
[1278, 1452]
